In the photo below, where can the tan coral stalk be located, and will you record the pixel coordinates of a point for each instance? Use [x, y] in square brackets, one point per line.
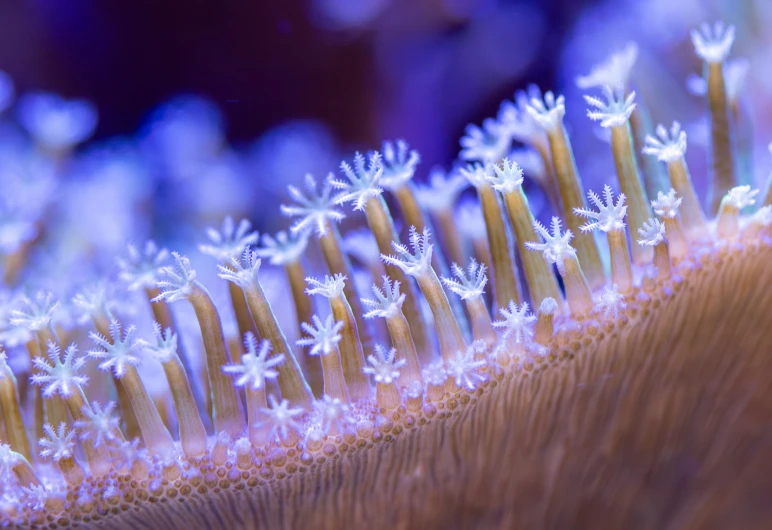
[154, 432]
[504, 270]
[304, 310]
[338, 263]
[418, 265]
[72, 471]
[226, 405]
[162, 314]
[712, 45]
[385, 368]
[721, 132]
[99, 459]
[253, 371]
[191, 426]
[448, 330]
[621, 269]
[482, 326]
[387, 396]
[556, 249]
[666, 206]
[291, 381]
[505, 276]
[739, 197]
[192, 432]
[381, 224]
[23, 470]
[452, 240]
[38, 405]
[630, 184]
[572, 196]
[609, 219]
[102, 324]
[241, 310]
[414, 216]
[324, 339]
[286, 250]
[351, 353]
[469, 286]
[669, 146]
[691, 211]
[541, 280]
[387, 304]
[255, 401]
[662, 260]
[654, 179]
[334, 379]
[653, 235]
[545, 326]
[56, 410]
[317, 208]
[11, 411]
[614, 113]
[119, 355]
[577, 289]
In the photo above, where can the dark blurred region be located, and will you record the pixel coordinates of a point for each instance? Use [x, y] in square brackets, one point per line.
[369, 69]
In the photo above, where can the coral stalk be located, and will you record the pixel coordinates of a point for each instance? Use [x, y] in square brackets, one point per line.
[414, 216]
[254, 369]
[13, 422]
[192, 432]
[385, 368]
[98, 456]
[505, 276]
[338, 263]
[653, 235]
[549, 113]
[285, 250]
[154, 433]
[351, 354]
[387, 304]
[556, 249]
[508, 179]
[102, 325]
[418, 265]
[226, 405]
[470, 288]
[139, 271]
[610, 219]
[545, 323]
[666, 206]
[334, 380]
[291, 381]
[621, 269]
[739, 197]
[324, 339]
[712, 45]
[317, 208]
[304, 310]
[630, 184]
[670, 147]
[614, 113]
[119, 355]
[380, 222]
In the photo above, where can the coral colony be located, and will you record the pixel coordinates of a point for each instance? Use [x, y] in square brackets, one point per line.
[494, 333]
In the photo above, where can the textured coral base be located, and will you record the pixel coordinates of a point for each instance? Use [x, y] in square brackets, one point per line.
[663, 422]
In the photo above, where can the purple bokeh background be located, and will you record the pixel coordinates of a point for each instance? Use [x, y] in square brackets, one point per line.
[367, 69]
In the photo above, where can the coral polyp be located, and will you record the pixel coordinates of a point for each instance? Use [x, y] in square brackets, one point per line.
[601, 365]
